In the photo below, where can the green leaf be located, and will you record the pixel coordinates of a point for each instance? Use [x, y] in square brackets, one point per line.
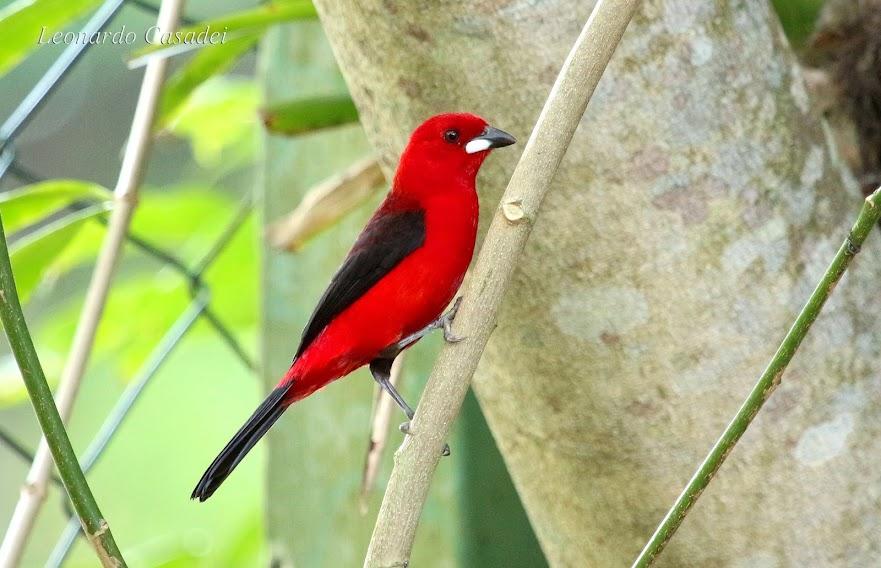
[306, 115]
[83, 248]
[220, 142]
[33, 255]
[23, 22]
[183, 219]
[210, 61]
[25, 205]
[30, 215]
[234, 25]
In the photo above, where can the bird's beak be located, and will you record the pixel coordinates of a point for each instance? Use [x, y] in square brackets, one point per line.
[488, 139]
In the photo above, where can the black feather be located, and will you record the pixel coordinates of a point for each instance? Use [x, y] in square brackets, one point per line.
[240, 444]
[386, 240]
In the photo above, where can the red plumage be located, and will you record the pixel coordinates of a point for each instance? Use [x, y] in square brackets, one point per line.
[403, 270]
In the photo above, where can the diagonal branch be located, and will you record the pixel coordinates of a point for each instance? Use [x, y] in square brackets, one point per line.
[417, 458]
[868, 218]
[72, 475]
[125, 197]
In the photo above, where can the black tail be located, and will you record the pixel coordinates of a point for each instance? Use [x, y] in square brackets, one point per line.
[248, 435]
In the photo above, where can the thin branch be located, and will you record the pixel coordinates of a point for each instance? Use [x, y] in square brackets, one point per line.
[125, 198]
[768, 382]
[417, 458]
[22, 345]
[383, 409]
[326, 203]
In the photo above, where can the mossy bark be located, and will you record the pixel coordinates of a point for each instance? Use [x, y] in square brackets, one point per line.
[697, 205]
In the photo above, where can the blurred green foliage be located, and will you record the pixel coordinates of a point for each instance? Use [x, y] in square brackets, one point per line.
[23, 22]
[34, 247]
[243, 23]
[208, 62]
[25, 205]
[309, 113]
[144, 480]
[219, 121]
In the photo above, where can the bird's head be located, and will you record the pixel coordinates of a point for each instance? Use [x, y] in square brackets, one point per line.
[451, 146]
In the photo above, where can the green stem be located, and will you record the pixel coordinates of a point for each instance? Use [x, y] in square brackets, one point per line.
[72, 476]
[868, 218]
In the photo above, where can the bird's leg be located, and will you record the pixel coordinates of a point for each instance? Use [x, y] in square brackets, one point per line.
[381, 370]
[444, 322]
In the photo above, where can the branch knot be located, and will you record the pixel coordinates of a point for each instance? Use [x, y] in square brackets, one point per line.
[851, 248]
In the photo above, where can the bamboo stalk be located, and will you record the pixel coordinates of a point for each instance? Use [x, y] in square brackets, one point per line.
[72, 476]
[137, 150]
[769, 380]
[416, 459]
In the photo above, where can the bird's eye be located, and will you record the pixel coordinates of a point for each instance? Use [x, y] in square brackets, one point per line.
[451, 136]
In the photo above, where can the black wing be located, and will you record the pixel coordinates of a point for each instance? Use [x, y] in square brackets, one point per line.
[385, 242]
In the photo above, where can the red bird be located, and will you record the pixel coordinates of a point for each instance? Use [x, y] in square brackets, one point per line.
[402, 271]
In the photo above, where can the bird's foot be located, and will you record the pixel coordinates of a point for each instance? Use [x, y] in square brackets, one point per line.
[405, 428]
[447, 322]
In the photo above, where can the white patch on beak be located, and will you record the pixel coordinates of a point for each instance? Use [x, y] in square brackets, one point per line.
[478, 145]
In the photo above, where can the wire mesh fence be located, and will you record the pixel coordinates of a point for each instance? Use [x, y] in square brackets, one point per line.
[199, 308]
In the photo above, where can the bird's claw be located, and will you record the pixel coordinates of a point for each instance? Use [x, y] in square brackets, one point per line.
[449, 336]
[447, 321]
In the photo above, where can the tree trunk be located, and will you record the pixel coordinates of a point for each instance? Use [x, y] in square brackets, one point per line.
[697, 206]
